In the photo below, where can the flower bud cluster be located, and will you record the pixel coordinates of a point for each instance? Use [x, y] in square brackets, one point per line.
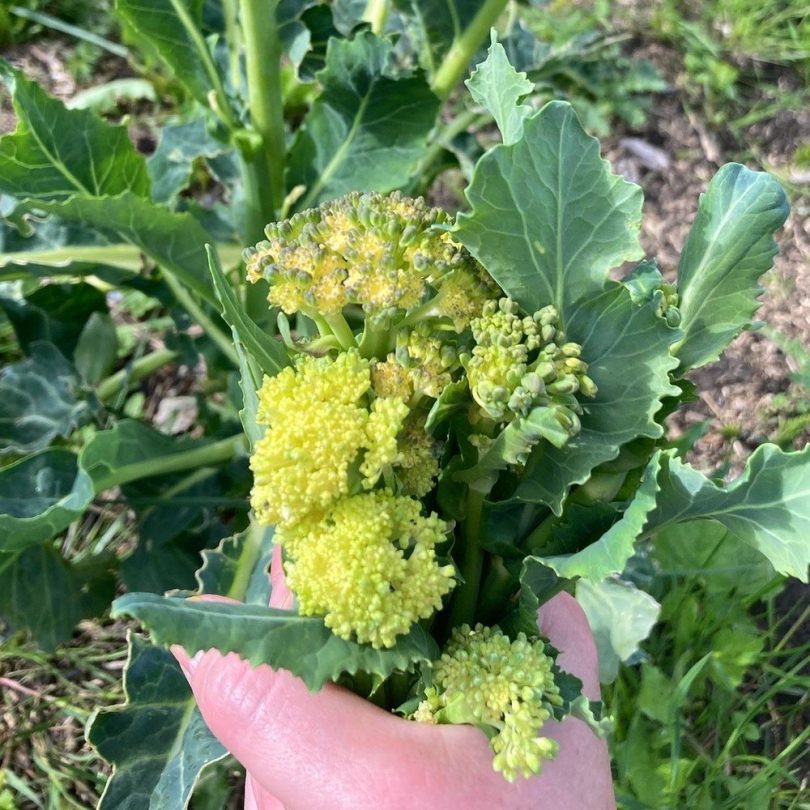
[370, 569]
[378, 251]
[366, 561]
[520, 363]
[506, 687]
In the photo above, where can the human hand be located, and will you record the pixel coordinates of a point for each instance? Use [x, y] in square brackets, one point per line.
[336, 751]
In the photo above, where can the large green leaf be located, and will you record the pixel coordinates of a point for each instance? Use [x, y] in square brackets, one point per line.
[56, 153]
[303, 645]
[729, 247]
[621, 617]
[170, 165]
[54, 312]
[767, 507]
[239, 566]
[708, 552]
[158, 743]
[42, 592]
[38, 400]
[173, 28]
[610, 553]
[268, 352]
[176, 242]
[498, 87]
[626, 347]
[367, 129]
[40, 495]
[548, 218]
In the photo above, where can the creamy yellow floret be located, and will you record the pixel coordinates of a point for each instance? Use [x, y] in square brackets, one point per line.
[384, 423]
[317, 426]
[369, 567]
[485, 678]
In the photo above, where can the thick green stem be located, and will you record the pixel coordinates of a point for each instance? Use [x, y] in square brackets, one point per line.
[341, 330]
[424, 174]
[464, 47]
[252, 544]
[206, 456]
[185, 299]
[376, 14]
[136, 371]
[265, 160]
[376, 342]
[497, 588]
[535, 542]
[465, 598]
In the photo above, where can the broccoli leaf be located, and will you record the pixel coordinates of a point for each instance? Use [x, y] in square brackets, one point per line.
[176, 242]
[367, 129]
[437, 24]
[42, 494]
[265, 350]
[621, 617]
[38, 400]
[158, 743]
[548, 218]
[56, 153]
[610, 553]
[498, 87]
[173, 28]
[767, 507]
[303, 645]
[616, 336]
[47, 595]
[729, 247]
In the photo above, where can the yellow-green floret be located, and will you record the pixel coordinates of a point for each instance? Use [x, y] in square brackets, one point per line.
[381, 252]
[369, 566]
[521, 362]
[507, 687]
[319, 424]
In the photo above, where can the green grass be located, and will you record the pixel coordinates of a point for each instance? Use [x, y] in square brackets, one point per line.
[717, 714]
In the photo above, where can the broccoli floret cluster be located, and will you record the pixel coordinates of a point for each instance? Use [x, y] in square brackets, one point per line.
[381, 252]
[364, 560]
[506, 687]
[520, 363]
[370, 568]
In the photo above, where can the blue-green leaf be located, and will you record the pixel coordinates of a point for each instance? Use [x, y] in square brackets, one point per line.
[367, 129]
[621, 617]
[498, 88]
[43, 593]
[176, 242]
[548, 218]
[40, 495]
[173, 28]
[729, 247]
[38, 400]
[767, 507]
[170, 165]
[610, 553]
[56, 153]
[159, 742]
[302, 645]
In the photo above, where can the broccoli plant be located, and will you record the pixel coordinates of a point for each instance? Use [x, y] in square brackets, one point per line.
[463, 417]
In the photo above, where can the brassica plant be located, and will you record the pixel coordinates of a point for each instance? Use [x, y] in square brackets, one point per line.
[462, 417]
